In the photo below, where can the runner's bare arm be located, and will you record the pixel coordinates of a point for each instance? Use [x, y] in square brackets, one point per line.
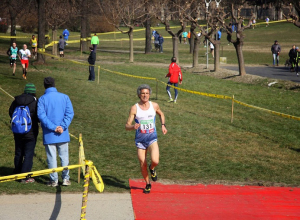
[161, 116]
[130, 119]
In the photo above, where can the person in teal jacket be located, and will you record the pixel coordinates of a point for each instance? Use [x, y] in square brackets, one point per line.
[95, 42]
[55, 112]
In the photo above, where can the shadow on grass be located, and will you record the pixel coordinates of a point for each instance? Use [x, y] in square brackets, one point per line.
[57, 204]
[115, 182]
[295, 149]
[229, 77]
[6, 171]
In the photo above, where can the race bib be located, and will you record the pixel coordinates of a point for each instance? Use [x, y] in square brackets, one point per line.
[13, 56]
[34, 44]
[147, 126]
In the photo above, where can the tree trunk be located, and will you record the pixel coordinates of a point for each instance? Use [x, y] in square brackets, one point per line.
[240, 56]
[217, 56]
[148, 36]
[196, 51]
[84, 23]
[41, 29]
[192, 42]
[130, 34]
[54, 37]
[13, 14]
[175, 48]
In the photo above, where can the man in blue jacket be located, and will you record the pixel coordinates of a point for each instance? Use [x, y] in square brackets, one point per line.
[66, 34]
[161, 41]
[55, 112]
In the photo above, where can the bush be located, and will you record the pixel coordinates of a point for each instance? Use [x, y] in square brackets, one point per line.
[28, 23]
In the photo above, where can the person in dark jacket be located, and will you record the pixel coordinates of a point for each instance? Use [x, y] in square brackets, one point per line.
[92, 60]
[276, 49]
[293, 57]
[161, 41]
[25, 143]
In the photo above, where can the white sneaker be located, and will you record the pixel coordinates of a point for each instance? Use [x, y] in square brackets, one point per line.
[52, 183]
[297, 74]
[66, 182]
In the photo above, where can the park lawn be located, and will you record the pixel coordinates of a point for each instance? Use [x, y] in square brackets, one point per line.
[202, 145]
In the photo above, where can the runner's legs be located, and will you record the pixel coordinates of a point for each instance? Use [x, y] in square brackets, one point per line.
[143, 164]
[154, 154]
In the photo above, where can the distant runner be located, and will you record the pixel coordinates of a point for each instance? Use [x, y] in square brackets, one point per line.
[144, 115]
[12, 52]
[61, 46]
[33, 43]
[174, 74]
[24, 54]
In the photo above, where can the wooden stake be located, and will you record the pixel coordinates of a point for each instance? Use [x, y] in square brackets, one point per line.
[98, 73]
[79, 170]
[232, 108]
[85, 192]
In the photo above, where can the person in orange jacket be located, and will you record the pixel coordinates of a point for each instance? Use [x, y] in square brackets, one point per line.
[174, 74]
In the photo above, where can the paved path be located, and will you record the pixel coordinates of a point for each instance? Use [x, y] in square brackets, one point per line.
[280, 72]
[112, 206]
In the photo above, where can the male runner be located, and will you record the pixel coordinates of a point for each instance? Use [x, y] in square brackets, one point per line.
[174, 74]
[24, 54]
[12, 52]
[33, 42]
[143, 113]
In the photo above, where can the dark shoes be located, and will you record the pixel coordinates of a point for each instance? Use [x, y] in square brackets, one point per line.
[147, 189]
[153, 174]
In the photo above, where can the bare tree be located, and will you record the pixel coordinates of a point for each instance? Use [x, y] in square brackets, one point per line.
[148, 28]
[238, 41]
[41, 28]
[295, 18]
[84, 31]
[127, 13]
[163, 10]
[58, 12]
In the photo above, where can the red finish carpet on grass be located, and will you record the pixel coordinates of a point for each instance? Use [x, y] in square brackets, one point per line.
[214, 202]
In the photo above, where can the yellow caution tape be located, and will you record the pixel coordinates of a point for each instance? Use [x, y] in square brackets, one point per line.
[97, 179]
[128, 75]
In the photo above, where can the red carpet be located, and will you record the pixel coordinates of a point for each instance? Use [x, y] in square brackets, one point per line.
[214, 202]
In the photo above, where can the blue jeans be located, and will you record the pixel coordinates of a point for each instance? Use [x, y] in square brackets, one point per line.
[176, 91]
[160, 48]
[92, 73]
[63, 153]
[24, 151]
[275, 58]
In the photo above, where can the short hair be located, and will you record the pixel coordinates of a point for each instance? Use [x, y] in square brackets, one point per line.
[173, 59]
[143, 86]
[60, 36]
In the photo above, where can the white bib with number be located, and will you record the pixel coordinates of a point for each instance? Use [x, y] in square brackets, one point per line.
[146, 119]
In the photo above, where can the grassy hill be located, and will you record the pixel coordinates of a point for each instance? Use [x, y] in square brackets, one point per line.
[202, 145]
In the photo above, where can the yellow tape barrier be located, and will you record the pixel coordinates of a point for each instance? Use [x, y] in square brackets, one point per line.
[25, 36]
[189, 91]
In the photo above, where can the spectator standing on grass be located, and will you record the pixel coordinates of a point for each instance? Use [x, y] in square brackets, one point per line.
[161, 41]
[61, 46]
[92, 60]
[189, 37]
[143, 114]
[55, 112]
[12, 52]
[293, 57]
[219, 34]
[276, 49]
[25, 142]
[212, 48]
[153, 35]
[174, 74]
[66, 34]
[95, 42]
[180, 37]
[156, 41]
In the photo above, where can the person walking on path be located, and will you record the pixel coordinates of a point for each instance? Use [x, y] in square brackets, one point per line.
[143, 114]
[95, 42]
[55, 112]
[33, 43]
[24, 55]
[66, 35]
[174, 74]
[61, 46]
[12, 52]
[297, 61]
[161, 41]
[92, 60]
[276, 49]
[25, 142]
[293, 57]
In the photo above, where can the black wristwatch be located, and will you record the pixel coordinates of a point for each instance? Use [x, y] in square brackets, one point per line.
[164, 125]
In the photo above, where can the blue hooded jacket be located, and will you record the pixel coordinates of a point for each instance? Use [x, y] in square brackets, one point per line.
[66, 34]
[55, 109]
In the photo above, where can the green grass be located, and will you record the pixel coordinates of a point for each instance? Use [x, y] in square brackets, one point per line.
[201, 145]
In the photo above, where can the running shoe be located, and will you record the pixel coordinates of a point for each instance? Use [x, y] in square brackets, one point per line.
[52, 183]
[171, 100]
[66, 182]
[29, 180]
[175, 102]
[297, 74]
[153, 174]
[13, 74]
[23, 76]
[147, 189]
